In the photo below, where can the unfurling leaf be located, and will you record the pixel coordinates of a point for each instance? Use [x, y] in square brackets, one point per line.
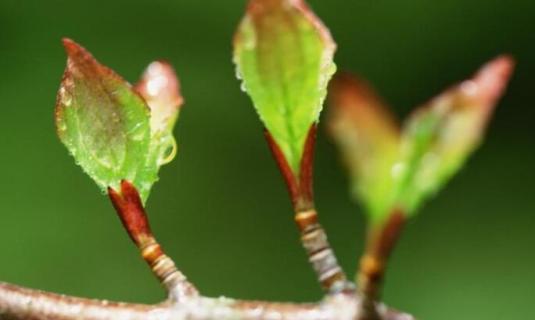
[439, 137]
[160, 88]
[394, 170]
[108, 127]
[284, 56]
[368, 137]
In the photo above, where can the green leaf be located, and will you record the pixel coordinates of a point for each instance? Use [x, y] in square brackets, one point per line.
[439, 137]
[367, 135]
[398, 171]
[284, 55]
[106, 125]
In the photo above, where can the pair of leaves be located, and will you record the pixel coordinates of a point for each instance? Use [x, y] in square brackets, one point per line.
[116, 132]
[393, 168]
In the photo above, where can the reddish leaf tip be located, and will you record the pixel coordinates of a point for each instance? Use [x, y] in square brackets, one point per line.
[499, 68]
[504, 63]
[262, 8]
[68, 42]
[346, 86]
[159, 83]
[72, 48]
[351, 97]
[80, 60]
[492, 78]
[483, 90]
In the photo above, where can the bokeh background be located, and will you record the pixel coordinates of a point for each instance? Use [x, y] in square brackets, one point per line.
[221, 209]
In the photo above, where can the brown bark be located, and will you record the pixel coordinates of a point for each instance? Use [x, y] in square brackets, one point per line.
[17, 303]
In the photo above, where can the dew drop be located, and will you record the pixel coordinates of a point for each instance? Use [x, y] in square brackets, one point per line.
[169, 153]
[331, 69]
[238, 73]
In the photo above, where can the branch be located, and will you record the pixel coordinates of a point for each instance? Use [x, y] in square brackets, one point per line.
[17, 303]
[313, 237]
[184, 301]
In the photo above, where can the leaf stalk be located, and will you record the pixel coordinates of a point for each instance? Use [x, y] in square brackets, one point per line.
[129, 207]
[380, 242]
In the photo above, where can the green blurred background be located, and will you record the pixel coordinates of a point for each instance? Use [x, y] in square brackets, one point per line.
[221, 209]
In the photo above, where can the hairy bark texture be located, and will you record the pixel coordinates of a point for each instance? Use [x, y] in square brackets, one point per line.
[17, 303]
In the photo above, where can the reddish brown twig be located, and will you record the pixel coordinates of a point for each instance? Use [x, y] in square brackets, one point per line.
[128, 205]
[381, 241]
[313, 236]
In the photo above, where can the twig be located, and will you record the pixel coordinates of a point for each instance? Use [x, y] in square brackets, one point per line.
[128, 205]
[17, 303]
[313, 236]
[373, 263]
[321, 256]
[185, 303]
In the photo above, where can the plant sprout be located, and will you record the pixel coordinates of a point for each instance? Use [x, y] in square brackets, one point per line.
[121, 135]
[394, 168]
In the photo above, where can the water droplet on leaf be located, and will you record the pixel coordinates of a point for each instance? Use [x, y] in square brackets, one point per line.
[169, 152]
